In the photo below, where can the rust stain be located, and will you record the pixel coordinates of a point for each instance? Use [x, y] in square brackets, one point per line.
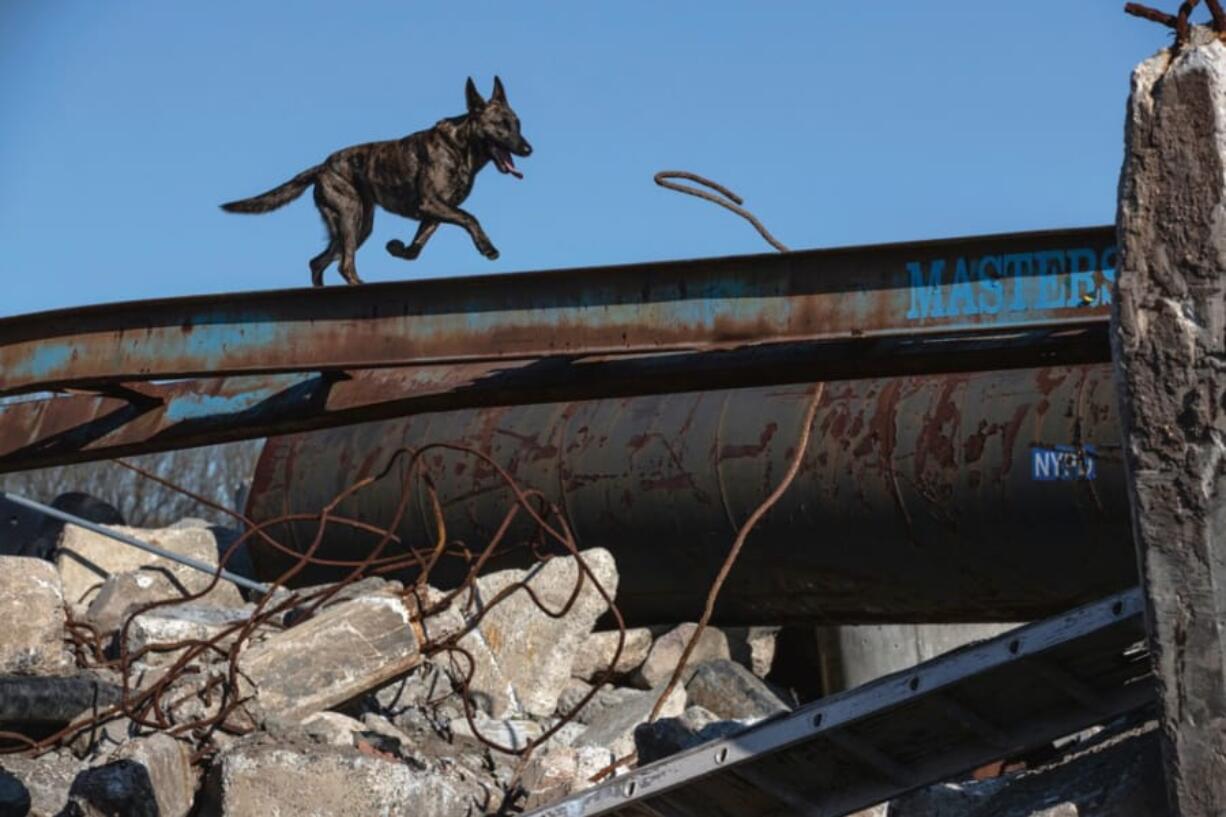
[732, 452]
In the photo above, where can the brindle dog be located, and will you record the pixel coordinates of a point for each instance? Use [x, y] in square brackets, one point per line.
[424, 176]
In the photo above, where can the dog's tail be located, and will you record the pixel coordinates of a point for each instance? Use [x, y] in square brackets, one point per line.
[277, 197]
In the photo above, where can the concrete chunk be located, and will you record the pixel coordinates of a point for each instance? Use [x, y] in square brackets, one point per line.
[595, 654]
[524, 656]
[145, 777]
[342, 652]
[666, 654]
[86, 560]
[181, 622]
[32, 612]
[46, 780]
[613, 728]
[324, 781]
[732, 692]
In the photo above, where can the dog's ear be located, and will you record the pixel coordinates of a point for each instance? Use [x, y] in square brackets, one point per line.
[500, 93]
[475, 102]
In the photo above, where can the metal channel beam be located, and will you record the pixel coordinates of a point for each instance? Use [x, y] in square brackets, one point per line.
[877, 741]
[974, 285]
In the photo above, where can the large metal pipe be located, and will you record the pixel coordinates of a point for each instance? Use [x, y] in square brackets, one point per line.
[921, 498]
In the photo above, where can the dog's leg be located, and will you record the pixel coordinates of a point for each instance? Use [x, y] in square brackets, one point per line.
[320, 263]
[347, 215]
[424, 230]
[440, 211]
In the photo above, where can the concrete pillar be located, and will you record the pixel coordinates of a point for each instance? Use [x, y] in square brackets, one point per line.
[1169, 338]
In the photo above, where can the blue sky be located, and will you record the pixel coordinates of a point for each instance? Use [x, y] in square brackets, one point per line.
[125, 123]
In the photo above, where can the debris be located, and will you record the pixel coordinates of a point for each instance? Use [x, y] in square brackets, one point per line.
[667, 650]
[46, 780]
[595, 655]
[732, 692]
[753, 647]
[523, 655]
[145, 777]
[332, 728]
[86, 560]
[32, 612]
[342, 652]
[667, 736]
[254, 780]
[613, 727]
[181, 622]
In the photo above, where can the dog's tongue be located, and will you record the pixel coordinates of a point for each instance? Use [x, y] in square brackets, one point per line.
[505, 163]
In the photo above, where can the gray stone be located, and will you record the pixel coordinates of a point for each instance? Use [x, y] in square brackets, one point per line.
[732, 692]
[613, 727]
[1169, 342]
[427, 685]
[86, 560]
[595, 655]
[14, 796]
[666, 654]
[607, 696]
[509, 732]
[752, 647]
[32, 609]
[524, 656]
[337, 655]
[667, 736]
[324, 781]
[46, 779]
[145, 777]
[182, 622]
[332, 728]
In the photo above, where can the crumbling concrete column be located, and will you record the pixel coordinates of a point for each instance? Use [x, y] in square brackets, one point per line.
[1169, 338]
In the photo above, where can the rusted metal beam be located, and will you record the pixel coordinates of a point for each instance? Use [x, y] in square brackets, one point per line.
[141, 418]
[986, 284]
[964, 497]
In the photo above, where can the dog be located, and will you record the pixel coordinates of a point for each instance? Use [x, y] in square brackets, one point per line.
[425, 176]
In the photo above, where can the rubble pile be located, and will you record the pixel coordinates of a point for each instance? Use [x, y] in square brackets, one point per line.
[130, 684]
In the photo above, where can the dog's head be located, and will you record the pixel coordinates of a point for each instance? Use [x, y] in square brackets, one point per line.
[498, 126]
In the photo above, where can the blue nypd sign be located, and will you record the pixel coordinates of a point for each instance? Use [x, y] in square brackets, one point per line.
[1043, 280]
[1063, 463]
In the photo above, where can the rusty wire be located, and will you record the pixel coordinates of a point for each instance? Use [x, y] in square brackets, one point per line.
[731, 201]
[1179, 21]
[153, 706]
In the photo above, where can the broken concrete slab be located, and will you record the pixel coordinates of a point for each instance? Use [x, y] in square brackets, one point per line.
[613, 728]
[32, 609]
[86, 560]
[595, 654]
[1168, 342]
[732, 692]
[46, 779]
[150, 776]
[182, 622]
[524, 656]
[666, 652]
[344, 651]
[252, 780]
[122, 594]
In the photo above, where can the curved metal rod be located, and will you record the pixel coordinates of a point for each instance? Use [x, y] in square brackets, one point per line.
[731, 201]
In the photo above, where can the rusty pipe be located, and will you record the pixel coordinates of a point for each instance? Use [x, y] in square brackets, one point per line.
[920, 498]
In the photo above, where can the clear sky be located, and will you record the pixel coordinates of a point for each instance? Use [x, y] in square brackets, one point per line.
[124, 123]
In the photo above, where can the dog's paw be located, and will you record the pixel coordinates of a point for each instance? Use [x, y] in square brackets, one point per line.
[396, 247]
[491, 254]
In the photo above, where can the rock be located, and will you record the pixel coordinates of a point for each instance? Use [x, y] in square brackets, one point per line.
[605, 697]
[426, 685]
[14, 796]
[613, 727]
[753, 647]
[46, 779]
[43, 702]
[145, 777]
[332, 728]
[344, 651]
[511, 733]
[555, 772]
[252, 780]
[106, 738]
[732, 692]
[32, 609]
[181, 622]
[667, 736]
[666, 653]
[596, 653]
[86, 560]
[524, 656]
